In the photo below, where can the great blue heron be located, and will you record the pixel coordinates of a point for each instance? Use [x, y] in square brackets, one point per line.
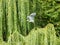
[30, 18]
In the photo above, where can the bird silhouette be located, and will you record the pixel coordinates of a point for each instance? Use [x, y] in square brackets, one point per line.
[30, 18]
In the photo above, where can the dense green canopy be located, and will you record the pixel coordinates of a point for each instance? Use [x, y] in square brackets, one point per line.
[14, 26]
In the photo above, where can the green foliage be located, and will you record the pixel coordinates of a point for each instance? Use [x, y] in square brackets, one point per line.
[1, 20]
[41, 36]
[15, 30]
[48, 11]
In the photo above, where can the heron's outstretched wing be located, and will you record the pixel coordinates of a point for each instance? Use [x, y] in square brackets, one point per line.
[31, 17]
[33, 14]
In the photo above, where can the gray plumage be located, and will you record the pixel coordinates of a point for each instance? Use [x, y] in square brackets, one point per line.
[30, 18]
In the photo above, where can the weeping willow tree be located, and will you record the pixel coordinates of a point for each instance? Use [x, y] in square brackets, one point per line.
[41, 36]
[1, 12]
[16, 30]
[48, 11]
[4, 21]
[25, 8]
[14, 17]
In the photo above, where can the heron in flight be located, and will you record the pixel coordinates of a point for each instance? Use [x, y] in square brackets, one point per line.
[30, 18]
